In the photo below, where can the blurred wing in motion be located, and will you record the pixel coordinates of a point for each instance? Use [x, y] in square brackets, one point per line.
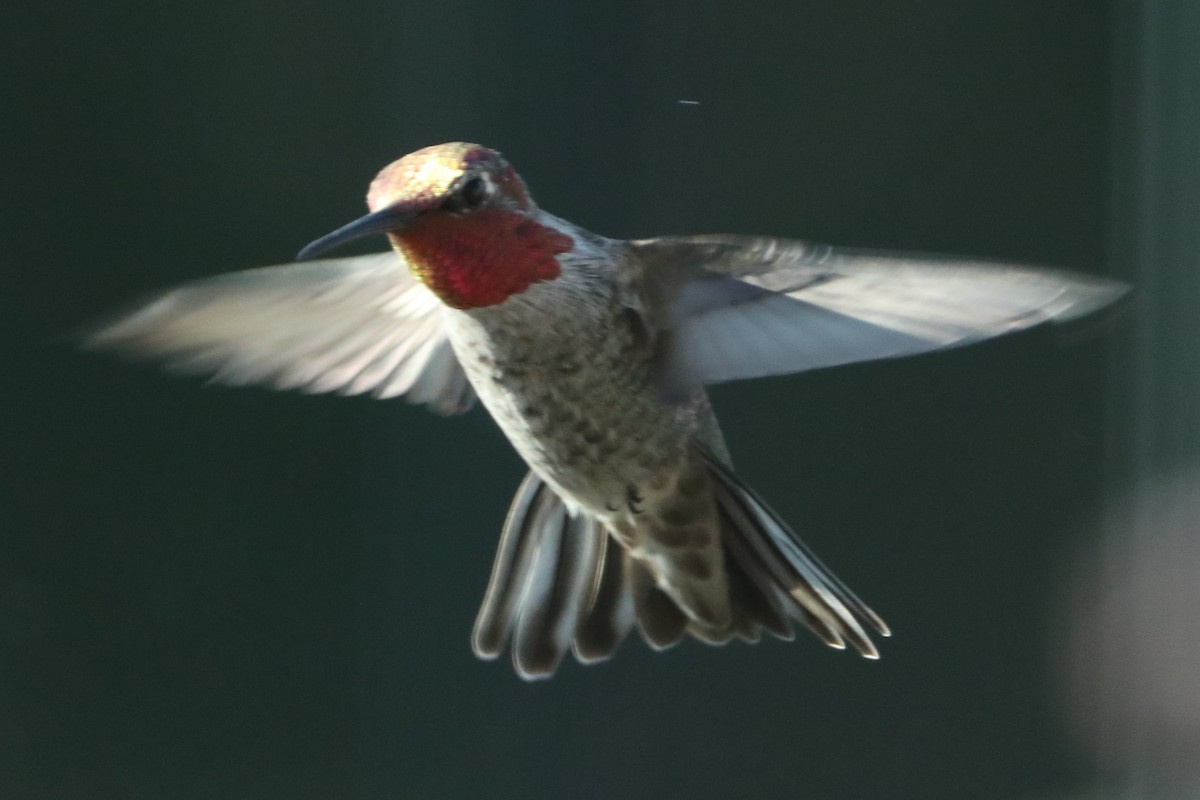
[747, 307]
[347, 325]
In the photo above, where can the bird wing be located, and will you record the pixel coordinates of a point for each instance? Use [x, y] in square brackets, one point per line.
[748, 307]
[348, 325]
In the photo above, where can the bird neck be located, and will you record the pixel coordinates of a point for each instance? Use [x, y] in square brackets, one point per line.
[482, 259]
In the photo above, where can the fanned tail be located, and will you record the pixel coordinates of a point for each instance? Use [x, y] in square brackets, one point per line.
[561, 582]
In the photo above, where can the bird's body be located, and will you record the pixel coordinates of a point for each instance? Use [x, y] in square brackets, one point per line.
[563, 370]
[566, 373]
[592, 355]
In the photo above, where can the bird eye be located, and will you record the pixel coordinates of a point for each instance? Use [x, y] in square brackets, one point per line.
[472, 195]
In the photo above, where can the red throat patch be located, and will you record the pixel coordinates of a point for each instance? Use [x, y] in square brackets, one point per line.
[481, 259]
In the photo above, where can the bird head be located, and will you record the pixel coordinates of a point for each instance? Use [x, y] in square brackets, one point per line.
[464, 222]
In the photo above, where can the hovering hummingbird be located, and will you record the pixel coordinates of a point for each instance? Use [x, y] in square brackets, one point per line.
[592, 355]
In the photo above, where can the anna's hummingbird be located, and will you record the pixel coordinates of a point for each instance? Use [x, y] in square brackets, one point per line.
[592, 355]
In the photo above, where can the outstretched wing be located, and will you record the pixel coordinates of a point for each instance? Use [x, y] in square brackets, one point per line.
[747, 307]
[348, 325]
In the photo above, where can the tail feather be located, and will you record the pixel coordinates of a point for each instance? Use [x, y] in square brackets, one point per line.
[741, 537]
[558, 583]
[561, 582]
[514, 558]
[610, 616]
[816, 596]
[756, 601]
[661, 622]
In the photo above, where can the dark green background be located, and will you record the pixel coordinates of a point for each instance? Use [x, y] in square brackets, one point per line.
[232, 593]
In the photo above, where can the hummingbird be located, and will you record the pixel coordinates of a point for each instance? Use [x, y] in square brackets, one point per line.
[592, 355]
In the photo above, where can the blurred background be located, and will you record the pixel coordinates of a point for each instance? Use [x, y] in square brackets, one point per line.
[207, 592]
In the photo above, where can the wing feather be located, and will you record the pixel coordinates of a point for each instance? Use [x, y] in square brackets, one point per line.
[348, 325]
[746, 307]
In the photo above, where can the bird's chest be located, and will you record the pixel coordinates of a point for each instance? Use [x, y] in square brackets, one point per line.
[571, 392]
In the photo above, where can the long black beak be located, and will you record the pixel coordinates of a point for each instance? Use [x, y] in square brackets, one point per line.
[385, 220]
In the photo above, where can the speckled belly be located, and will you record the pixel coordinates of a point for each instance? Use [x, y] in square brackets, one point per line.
[579, 410]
